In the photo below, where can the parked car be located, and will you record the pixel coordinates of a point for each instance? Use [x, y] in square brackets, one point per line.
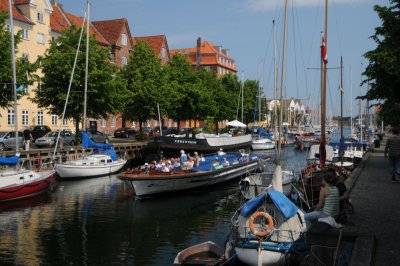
[98, 137]
[125, 132]
[49, 140]
[39, 131]
[7, 140]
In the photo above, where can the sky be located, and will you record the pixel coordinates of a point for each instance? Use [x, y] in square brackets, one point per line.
[245, 28]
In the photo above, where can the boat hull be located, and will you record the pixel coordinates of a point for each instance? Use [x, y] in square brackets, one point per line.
[250, 256]
[262, 144]
[25, 184]
[147, 186]
[209, 144]
[74, 171]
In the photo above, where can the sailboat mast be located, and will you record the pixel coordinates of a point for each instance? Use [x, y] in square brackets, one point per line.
[275, 89]
[86, 65]
[14, 74]
[278, 160]
[323, 92]
[351, 103]
[341, 97]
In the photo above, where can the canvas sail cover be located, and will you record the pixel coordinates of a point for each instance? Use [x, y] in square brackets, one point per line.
[87, 143]
[285, 206]
[9, 160]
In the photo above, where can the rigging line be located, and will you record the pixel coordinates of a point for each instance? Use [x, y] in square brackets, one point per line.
[295, 54]
[337, 27]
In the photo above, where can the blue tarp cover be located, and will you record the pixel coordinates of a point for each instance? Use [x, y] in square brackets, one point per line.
[230, 157]
[251, 206]
[286, 206]
[9, 160]
[262, 132]
[88, 143]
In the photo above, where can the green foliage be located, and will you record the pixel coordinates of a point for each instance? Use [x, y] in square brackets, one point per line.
[209, 124]
[106, 89]
[25, 70]
[383, 70]
[145, 84]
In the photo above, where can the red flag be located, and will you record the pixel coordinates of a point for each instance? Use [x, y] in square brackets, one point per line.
[324, 55]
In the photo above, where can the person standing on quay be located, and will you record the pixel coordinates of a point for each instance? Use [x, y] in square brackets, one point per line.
[27, 138]
[393, 146]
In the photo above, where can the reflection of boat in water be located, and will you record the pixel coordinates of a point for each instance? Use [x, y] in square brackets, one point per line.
[207, 253]
[155, 182]
[86, 186]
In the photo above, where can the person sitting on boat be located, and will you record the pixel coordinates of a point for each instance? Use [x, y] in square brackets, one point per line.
[146, 168]
[196, 159]
[215, 164]
[225, 163]
[183, 158]
[152, 166]
[164, 168]
[176, 164]
[202, 159]
[328, 203]
[221, 152]
[189, 164]
[159, 165]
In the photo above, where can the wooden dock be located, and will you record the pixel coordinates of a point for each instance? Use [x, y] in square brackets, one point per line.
[36, 158]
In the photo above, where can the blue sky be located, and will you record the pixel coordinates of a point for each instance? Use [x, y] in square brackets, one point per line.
[245, 28]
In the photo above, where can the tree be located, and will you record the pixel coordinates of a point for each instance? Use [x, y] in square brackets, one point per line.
[383, 70]
[144, 83]
[25, 70]
[106, 89]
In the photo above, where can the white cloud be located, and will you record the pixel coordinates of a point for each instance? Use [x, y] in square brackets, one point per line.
[262, 5]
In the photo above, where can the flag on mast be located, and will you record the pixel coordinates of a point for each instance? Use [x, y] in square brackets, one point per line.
[324, 55]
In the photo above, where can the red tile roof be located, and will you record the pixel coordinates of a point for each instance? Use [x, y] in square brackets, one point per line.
[155, 42]
[209, 55]
[112, 29]
[61, 20]
[17, 14]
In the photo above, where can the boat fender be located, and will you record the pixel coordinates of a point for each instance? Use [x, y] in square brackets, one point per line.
[270, 224]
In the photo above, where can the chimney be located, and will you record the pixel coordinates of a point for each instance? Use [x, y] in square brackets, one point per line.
[198, 54]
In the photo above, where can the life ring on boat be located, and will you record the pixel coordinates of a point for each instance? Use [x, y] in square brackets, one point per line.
[270, 224]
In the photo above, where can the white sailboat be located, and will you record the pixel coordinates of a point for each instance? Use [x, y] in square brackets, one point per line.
[18, 182]
[269, 229]
[103, 160]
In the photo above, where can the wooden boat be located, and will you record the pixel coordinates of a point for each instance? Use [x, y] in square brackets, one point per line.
[155, 182]
[207, 253]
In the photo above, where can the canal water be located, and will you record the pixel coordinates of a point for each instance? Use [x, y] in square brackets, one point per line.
[98, 222]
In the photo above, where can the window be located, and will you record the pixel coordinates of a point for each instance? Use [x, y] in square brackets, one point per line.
[40, 38]
[113, 121]
[54, 120]
[163, 53]
[25, 34]
[11, 117]
[103, 122]
[124, 61]
[124, 39]
[8, 27]
[40, 17]
[65, 122]
[39, 87]
[25, 56]
[40, 118]
[25, 117]
[112, 57]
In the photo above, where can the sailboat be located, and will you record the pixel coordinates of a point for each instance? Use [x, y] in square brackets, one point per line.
[103, 160]
[18, 182]
[261, 140]
[269, 229]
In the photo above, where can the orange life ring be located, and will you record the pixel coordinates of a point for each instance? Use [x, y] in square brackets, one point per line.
[270, 224]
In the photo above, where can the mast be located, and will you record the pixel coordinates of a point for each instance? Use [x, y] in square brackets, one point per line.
[242, 93]
[276, 91]
[14, 74]
[351, 103]
[86, 65]
[341, 97]
[277, 178]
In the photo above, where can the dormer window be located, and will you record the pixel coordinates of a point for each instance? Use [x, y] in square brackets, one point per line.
[40, 17]
[124, 61]
[124, 39]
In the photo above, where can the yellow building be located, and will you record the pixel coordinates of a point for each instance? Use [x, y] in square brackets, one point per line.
[32, 17]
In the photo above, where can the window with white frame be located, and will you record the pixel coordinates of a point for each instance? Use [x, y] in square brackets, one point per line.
[40, 118]
[124, 39]
[40, 38]
[25, 117]
[65, 122]
[11, 117]
[124, 61]
[25, 34]
[8, 27]
[103, 122]
[163, 53]
[40, 17]
[113, 121]
[25, 56]
[54, 120]
[39, 87]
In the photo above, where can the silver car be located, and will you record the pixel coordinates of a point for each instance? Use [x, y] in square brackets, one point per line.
[49, 140]
[7, 140]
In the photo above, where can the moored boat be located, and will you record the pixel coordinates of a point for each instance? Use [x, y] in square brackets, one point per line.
[155, 182]
[207, 253]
